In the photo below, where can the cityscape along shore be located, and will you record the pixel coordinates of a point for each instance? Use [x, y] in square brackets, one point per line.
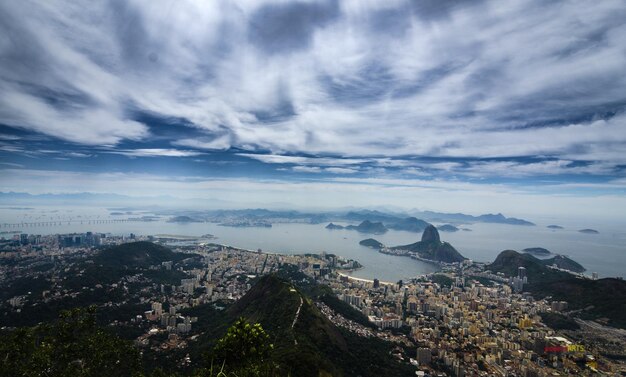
[463, 318]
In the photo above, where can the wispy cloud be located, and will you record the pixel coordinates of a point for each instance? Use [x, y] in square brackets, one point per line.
[395, 89]
[219, 143]
[307, 169]
[335, 77]
[156, 152]
[11, 164]
[321, 161]
[9, 137]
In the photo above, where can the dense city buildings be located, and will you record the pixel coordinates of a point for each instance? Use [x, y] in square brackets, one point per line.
[461, 321]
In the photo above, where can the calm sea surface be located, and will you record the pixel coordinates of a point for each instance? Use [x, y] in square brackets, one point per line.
[604, 253]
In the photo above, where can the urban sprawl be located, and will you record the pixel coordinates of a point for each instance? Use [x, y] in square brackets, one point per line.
[469, 327]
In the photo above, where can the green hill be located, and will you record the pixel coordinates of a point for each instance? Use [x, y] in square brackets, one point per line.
[431, 247]
[604, 298]
[537, 269]
[313, 346]
[508, 261]
[561, 261]
[136, 254]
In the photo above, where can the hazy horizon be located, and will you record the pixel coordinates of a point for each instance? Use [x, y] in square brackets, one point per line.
[78, 200]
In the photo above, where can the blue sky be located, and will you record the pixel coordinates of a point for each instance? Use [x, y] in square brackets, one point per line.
[515, 106]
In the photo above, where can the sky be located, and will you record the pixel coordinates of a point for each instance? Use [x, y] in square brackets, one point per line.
[484, 106]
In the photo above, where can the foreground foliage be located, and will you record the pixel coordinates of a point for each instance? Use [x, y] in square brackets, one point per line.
[274, 330]
[75, 346]
[72, 346]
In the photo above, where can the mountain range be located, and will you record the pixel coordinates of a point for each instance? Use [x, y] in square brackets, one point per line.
[414, 220]
[364, 227]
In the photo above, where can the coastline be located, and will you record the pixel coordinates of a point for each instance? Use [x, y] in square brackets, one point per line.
[416, 257]
[370, 281]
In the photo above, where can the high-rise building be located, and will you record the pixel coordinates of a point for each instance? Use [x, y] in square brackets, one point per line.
[424, 356]
[558, 306]
[157, 307]
[518, 284]
[521, 272]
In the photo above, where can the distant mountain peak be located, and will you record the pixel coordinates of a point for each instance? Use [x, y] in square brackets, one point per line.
[431, 234]
[431, 247]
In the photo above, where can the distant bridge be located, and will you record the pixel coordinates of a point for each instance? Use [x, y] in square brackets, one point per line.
[63, 222]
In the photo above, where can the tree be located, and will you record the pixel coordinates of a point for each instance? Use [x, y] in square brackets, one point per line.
[245, 346]
[72, 346]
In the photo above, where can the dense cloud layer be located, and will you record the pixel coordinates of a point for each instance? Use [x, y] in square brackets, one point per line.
[477, 89]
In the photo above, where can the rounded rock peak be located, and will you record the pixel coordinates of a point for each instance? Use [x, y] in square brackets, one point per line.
[430, 234]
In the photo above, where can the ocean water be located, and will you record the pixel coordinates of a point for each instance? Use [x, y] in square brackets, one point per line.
[604, 253]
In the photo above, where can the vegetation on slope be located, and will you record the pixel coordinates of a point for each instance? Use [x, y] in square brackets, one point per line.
[565, 263]
[603, 299]
[442, 280]
[71, 346]
[312, 346]
[558, 321]
[137, 254]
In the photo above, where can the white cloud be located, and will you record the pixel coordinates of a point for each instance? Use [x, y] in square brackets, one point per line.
[155, 152]
[9, 137]
[11, 164]
[322, 161]
[307, 169]
[368, 84]
[341, 170]
[219, 143]
[529, 169]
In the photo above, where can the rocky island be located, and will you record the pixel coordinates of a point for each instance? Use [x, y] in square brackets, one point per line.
[554, 227]
[332, 226]
[371, 243]
[410, 224]
[589, 231]
[432, 248]
[537, 251]
[448, 228]
[501, 219]
[364, 227]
